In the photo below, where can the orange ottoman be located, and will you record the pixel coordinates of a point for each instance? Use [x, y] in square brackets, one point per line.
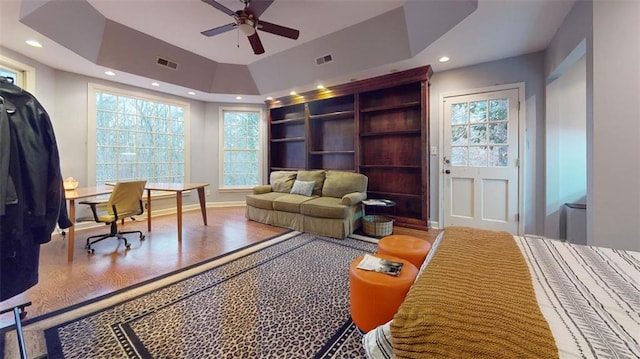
[375, 297]
[413, 249]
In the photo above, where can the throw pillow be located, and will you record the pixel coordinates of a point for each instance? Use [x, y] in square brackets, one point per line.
[313, 175]
[282, 181]
[304, 188]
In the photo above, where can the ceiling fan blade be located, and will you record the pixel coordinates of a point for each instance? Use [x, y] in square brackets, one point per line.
[219, 29]
[278, 30]
[256, 44]
[257, 7]
[220, 7]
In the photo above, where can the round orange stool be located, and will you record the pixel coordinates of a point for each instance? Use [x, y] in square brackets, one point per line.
[413, 249]
[375, 297]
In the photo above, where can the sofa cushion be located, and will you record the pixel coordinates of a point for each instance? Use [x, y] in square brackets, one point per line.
[290, 202]
[282, 181]
[264, 200]
[304, 188]
[339, 183]
[314, 175]
[264, 188]
[325, 207]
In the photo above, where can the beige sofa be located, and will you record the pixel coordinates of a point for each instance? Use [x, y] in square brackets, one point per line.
[327, 203]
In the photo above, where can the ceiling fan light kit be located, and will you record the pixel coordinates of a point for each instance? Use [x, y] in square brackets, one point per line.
[247, 22]
[246, 27]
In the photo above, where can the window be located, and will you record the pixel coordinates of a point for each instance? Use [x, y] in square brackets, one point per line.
[240, 148]
[8, 73]
[479, 132]
[22, 75]
[137, 137]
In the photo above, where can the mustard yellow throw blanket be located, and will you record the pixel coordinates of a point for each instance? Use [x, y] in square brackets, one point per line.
[475, 299]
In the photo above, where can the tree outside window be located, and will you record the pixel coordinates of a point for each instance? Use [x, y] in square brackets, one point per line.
[138, 138]
[240, 148]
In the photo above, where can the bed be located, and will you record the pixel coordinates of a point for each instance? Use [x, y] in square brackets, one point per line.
[485, 294]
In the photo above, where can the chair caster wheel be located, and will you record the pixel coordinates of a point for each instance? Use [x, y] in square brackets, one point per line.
[127, 246]
[142, 237]
[91, 251]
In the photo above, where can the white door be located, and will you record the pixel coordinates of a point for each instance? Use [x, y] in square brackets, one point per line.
[481, 160]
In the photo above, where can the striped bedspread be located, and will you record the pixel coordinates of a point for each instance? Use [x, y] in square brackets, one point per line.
[590, 297]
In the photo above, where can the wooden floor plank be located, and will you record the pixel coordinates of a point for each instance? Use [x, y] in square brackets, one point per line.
[63, 284]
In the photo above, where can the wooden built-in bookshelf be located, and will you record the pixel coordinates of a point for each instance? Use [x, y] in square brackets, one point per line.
[378, 127]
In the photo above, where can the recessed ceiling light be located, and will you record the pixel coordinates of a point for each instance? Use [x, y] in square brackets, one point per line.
[293, 93]
[269, 98]
[34, 43]
[155, 84]
[320, 87]
[191, 93]
[444, 59]
[109, 73]
[238, 97]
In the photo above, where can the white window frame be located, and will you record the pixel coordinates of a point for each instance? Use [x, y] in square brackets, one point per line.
[26, 74]
[91, 126]
[261, 149]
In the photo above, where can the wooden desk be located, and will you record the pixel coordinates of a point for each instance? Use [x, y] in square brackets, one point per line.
[178, 188]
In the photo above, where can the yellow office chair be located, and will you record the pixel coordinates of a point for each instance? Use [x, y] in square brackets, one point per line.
[125, 201]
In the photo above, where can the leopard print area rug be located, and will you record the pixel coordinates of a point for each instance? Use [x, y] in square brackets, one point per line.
[288, 299]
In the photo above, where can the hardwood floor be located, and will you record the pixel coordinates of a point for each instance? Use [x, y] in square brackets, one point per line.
[63, 284]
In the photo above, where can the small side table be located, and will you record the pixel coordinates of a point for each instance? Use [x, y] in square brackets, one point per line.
[377, 204]
[375, 224]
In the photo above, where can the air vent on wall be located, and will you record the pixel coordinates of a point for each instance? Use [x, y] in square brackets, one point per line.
[324, 59]
[167, 63]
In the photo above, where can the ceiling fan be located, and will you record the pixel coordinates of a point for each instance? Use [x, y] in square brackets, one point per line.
[247, 22]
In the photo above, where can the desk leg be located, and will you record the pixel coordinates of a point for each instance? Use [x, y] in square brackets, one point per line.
[148, 210]
[179, 209]
[203, 205]
[71, 232]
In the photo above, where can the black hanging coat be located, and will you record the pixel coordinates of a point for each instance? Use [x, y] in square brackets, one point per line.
[31, 192]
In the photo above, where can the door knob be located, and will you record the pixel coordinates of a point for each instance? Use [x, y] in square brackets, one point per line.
[447, 171]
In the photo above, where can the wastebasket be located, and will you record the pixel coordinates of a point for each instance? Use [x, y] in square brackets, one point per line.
[377, 226]
[576, 223]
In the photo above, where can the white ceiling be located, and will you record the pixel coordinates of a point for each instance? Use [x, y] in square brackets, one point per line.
[180, 22]
[497, 29]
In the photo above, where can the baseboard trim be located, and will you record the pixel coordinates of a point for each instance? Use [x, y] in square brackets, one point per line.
[160, 212]
[434, 225]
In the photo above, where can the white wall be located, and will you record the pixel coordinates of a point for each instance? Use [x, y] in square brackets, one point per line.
[572, 41]
[611, 30]
[614, 215]
[65, 97]
[577, 27]
[566, 145]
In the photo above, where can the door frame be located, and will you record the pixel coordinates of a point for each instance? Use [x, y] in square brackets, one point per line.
[520, 86]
